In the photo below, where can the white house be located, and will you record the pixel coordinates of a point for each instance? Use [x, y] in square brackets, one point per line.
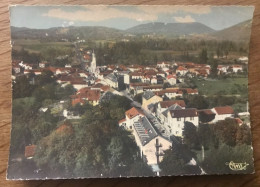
[222, 113]
[181, 70]
[132, 115]
[176, 120]
[172, 79]
[163, 64]
[237, 68]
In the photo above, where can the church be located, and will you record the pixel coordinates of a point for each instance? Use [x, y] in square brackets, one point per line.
[93, 65]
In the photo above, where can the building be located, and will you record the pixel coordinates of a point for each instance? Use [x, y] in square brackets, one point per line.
[181, 70]
[222, 113]
[86, 95]
[171, 79]
[93, 64]
[237, 68]
[176, 120]
[150, 98]
[151, 145]
[163, 105]
[111, 80]
[132, 115]
[163, 64]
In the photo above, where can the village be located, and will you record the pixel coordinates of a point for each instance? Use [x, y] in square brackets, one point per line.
[157, 120]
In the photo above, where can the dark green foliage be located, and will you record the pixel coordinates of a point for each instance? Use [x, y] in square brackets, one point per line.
[45, 78]
[22, 87]
[96, 146]
[26, 57]
[203, 56]
[175, 161]
[172, 163]
[244, 135]
[206, 136]
[216, 160]
[190, 136]
[140, 168]
[226, 131]
[196, 101]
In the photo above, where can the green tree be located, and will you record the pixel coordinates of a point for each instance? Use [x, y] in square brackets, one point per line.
[203, 56]
[190, 136]
[172, 163]
[216, 160]
[22, 87]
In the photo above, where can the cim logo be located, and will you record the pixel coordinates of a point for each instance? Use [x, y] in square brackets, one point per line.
[237, 166]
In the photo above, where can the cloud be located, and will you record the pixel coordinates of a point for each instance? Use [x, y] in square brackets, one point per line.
[139, 13]
[194, 9]
[71, 23]
[99, 13]
[186, 19]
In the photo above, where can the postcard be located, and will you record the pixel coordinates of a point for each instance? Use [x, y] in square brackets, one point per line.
[102, 91]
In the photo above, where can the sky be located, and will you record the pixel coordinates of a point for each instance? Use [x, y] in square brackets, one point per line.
[124, 17]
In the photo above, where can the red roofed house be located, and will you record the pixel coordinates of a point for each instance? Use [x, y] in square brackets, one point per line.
[237, 68]
[86, 95]
[172, 79]
[223, 112]
[29, 151]
[132, 115]
[181, 70]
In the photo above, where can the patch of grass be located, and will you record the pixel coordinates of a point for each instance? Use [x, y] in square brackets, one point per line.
[221, 87]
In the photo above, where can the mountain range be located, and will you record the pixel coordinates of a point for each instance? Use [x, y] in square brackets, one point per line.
[237, 32]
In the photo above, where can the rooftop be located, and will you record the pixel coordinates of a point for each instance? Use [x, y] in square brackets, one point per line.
[182, 113]
[148, 95]
[144, 130]
[224, 110]
[167, 104]
[133, 112]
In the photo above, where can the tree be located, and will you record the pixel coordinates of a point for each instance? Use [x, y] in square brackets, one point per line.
[22, 87]
[226, 131]
[244, 135]
[217, 160]
[190, 136]
[214, 69]
[203, 56]
[196, 101]
[172, 163]
[140, 168]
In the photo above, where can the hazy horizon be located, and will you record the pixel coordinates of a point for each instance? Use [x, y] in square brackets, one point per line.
[124, 17]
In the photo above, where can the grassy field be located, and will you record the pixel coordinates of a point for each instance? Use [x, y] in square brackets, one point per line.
[223, 87]
[36, 46]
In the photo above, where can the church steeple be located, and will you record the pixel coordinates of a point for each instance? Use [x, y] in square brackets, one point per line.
[93, 64]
